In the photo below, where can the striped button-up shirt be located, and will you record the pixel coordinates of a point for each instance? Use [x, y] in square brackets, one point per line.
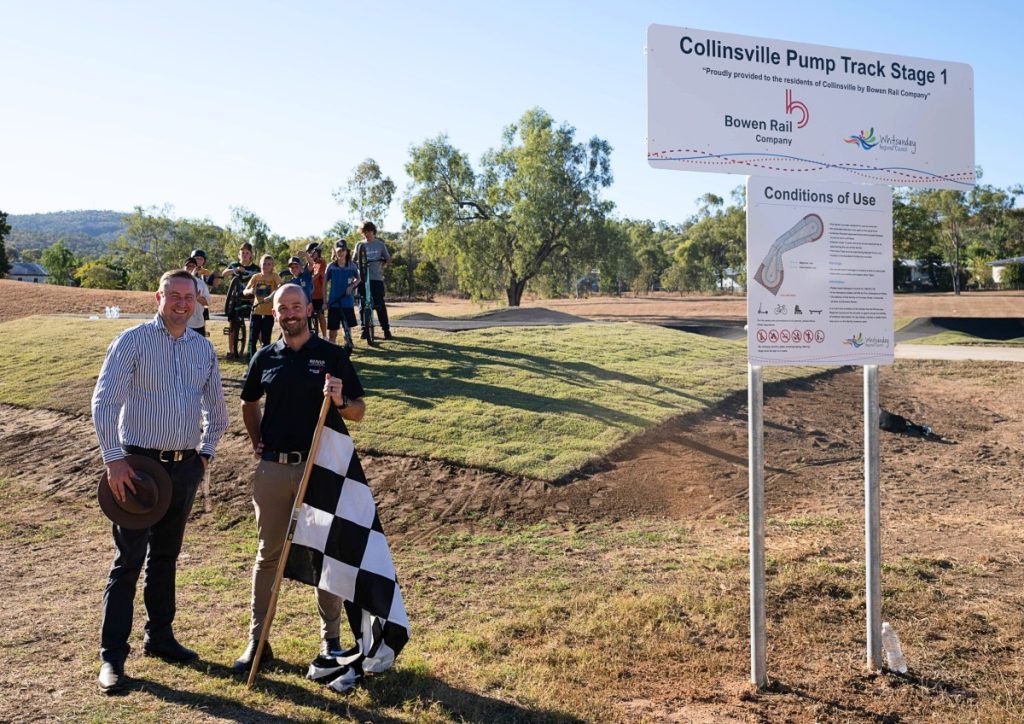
[158, 392]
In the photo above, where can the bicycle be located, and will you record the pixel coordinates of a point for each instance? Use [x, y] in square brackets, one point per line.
[238, 311]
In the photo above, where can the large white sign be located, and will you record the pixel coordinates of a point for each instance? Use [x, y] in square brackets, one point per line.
[736, 104]
[819, 273]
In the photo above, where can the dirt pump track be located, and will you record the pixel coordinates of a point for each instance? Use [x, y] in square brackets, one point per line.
[959, 502]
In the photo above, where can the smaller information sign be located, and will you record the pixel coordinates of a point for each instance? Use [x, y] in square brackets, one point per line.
[819, 273]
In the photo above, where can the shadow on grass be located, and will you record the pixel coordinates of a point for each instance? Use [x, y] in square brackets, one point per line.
[420, 386]
[399, 688]
[403, 690]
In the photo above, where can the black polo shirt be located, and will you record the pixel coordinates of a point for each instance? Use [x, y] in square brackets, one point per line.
[293, 382]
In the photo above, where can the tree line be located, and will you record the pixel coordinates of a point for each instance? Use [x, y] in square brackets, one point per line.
[529, 217]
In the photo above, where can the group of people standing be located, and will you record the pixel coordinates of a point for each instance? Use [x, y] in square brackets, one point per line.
[159, 406]
[331, 285]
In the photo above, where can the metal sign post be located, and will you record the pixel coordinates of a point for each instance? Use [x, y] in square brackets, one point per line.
[755, 426]
[872, 516]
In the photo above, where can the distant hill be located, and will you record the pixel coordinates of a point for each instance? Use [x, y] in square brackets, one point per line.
[84, 232]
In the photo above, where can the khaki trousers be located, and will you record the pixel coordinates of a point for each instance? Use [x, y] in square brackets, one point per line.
[273, 495]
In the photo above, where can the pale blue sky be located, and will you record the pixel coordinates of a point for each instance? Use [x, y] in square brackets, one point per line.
[269, 105]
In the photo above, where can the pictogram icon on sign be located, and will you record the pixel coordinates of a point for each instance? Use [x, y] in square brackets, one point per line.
[808, 336]
[762, 336]
[773, 336]
[819, 336]
[784, 335]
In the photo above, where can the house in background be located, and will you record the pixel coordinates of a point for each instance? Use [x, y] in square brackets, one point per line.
[23, 271]
[999, 264]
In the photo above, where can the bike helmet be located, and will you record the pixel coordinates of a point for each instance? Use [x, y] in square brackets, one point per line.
[295, 260]
[311, 247]
[198, 252]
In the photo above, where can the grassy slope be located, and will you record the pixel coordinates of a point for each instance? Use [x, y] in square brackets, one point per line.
[533, 401]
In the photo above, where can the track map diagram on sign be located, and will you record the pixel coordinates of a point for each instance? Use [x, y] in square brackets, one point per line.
[771, 272]
[819, 261]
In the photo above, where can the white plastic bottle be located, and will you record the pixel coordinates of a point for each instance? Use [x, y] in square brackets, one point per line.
[894, 659]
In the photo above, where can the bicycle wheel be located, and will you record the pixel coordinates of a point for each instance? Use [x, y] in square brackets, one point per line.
[368, 324]
[240, 338]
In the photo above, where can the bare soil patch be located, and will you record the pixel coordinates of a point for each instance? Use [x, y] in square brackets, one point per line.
[20, 299]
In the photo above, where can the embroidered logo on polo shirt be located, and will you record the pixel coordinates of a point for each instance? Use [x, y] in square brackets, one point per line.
[316, 366]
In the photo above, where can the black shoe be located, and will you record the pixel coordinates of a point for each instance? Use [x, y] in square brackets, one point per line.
[387, 334]
[331, 647]
[244, 662]
[169, 650]
[112, 677]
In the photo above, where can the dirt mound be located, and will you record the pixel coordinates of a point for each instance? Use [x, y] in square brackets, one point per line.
[511, 317]
[693, 466]
[21, 299]
[998, 328]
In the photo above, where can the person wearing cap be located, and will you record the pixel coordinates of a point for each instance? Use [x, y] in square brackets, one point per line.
[158, 395]
[197, 322]
[207, 276]
[298, 274]
[342, 277]
[261, 288]
[293, 376]
[377, 257]
[317, 268]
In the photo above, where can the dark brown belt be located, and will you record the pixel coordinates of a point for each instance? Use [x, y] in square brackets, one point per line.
[164, 456]
[296, 457]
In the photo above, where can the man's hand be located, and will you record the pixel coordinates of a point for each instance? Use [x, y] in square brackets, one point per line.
[257, 450]
[119, 477]
[333, 389]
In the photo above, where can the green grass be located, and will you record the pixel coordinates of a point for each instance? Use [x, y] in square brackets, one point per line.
[533, 401]
[952, 337]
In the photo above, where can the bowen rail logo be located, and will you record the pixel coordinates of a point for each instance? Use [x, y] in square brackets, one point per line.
[867, 140]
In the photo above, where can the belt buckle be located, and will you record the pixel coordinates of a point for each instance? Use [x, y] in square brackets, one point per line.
[286, 458]
[170, 456]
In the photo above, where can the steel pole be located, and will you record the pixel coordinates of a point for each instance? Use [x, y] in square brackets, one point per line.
[872, 517]
[755, 463]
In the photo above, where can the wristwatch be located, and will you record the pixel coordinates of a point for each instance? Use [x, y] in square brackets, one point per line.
[344, 401]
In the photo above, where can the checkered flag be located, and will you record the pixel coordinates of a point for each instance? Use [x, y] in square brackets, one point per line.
[339, 546]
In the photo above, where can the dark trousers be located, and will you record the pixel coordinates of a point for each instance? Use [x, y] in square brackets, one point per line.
[377, 291]
[262, 328]
[157, 547]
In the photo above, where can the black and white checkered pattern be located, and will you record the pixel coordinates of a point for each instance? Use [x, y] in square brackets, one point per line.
[339, 546]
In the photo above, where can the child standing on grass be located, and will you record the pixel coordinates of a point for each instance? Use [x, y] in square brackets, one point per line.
[261, 288]
[342, 277]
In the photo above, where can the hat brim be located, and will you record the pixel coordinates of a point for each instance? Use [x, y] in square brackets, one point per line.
[142, 465]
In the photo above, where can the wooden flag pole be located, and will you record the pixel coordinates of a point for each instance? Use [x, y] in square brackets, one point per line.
[283, 561]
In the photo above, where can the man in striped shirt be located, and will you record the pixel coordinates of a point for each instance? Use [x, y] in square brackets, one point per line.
[158, 394]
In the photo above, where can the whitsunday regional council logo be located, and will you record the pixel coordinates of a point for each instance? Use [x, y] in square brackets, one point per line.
[859, 340]
[883, 142]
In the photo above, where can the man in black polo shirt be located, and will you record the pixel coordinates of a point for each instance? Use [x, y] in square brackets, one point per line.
[295, 374]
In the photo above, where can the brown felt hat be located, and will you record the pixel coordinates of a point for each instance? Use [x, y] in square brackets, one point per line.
[147, 504]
